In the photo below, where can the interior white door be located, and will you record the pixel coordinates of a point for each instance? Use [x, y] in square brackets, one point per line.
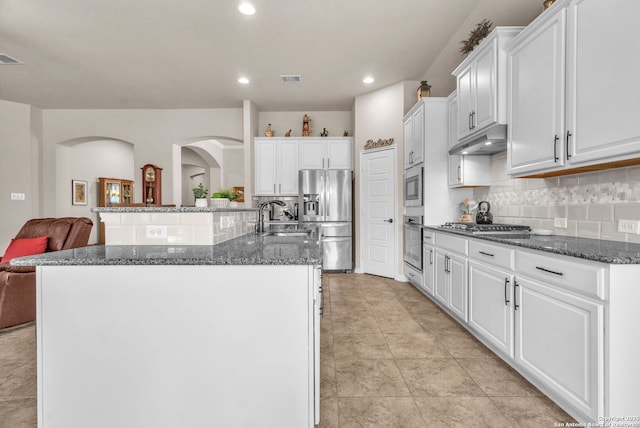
[378, 211]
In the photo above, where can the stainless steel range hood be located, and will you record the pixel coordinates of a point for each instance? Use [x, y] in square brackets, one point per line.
[492, 140]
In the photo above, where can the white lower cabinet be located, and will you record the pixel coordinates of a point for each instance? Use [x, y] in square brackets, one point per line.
[559, 341]
[565, 323]
[428, 262]
[451, 274]
[491, 305]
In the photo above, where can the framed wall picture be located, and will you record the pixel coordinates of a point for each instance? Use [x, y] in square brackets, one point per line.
[79, 192]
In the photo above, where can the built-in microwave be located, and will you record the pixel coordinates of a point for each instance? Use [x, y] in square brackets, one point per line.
[413, 183]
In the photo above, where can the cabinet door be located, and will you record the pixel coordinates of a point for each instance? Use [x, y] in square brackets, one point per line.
[603, 123]
[491, 306]
[408, 141]
[465, 101]
[456, 163]
[312, 154]
[429, 274]
[559, 339]
[266, 174]
[485, 82]
[458, 286]
[287, 167]
[339, 154]
[418, 136]
[536, 82]
[441, 290]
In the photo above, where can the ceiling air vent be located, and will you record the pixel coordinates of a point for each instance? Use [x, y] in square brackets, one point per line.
[290, 78]
[6, 59]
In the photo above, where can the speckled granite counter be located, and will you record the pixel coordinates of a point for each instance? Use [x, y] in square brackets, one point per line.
[249, 249]
[612, 252]
[168, 210]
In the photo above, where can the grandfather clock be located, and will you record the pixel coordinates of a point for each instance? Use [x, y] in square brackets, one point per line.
[151, 184]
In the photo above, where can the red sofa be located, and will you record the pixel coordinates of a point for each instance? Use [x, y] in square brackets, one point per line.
[18, 283]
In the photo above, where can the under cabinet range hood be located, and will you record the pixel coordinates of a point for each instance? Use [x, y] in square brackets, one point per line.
[492, 140]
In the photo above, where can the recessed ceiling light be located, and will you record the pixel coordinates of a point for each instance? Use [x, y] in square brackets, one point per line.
[247, 9]
[368, 80]
[488, 143]
[464, 153]
[243, 80]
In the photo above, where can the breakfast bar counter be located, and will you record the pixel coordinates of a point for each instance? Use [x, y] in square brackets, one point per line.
[180, 335]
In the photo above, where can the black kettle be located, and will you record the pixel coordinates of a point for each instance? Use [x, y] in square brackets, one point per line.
[484, 216]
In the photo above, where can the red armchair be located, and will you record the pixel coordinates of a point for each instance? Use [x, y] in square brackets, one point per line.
[18, 283]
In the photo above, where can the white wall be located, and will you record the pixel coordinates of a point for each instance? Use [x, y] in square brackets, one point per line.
[19, 167]
[88, 161]
[378, 115]
[153, 134]
[336, 122]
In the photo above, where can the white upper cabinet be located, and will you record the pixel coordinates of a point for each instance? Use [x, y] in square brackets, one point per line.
[414, 135]
[574, 95]
[326, 153]
[276, 171]
[481, 83]
[465, 170]
[536, 97]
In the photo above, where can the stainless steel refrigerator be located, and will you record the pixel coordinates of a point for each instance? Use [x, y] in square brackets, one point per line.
[325, 196]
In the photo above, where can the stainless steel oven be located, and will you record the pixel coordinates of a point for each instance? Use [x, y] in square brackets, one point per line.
[413, 183]
[413, 241]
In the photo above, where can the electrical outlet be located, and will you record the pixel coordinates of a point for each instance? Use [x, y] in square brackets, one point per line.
[155, 231]
[17, 196]
[560, 223]
[629, 226]
[226, 222]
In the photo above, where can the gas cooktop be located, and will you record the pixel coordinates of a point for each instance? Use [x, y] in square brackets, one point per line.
[487, 229]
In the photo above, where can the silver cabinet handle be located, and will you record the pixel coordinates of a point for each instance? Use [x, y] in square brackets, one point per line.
[555, 148]
[506, 294]
[567, 144]
[430, 257]
[549, 271]
[485, 254]
[473, 120]
[515, 295]
[459, 178]
[470, 121]
[322, 163]
[274, 188]
[328, 163]
[280, 188]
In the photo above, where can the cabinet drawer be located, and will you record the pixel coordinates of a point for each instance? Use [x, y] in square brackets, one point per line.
[428, 237]
[586, 278]
[451, 243]
[493, 254]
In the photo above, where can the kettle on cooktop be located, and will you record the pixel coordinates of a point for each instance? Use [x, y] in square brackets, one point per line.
[484, 216]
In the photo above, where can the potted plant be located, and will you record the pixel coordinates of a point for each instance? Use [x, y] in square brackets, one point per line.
[223, 197]
[200, 193]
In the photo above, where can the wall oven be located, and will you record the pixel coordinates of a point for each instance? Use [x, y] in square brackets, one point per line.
[413, 244]
[413, 183]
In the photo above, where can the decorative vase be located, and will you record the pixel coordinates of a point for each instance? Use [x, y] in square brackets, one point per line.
[548, 3]
[424, 90]
[268, 132]
[201, 202]
[220, 202]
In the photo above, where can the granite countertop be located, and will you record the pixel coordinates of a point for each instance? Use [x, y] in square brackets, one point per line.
[168, 210]
[598, 250]
[249, 249]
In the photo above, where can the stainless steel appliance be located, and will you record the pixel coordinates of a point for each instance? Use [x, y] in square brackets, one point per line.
[413, 248]
[488, 229]
[413, 182]
[325, 196]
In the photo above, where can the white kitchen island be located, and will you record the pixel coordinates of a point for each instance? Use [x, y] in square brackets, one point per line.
[185, 336]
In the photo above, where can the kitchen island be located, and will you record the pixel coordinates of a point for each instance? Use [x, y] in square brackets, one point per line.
[165, 336]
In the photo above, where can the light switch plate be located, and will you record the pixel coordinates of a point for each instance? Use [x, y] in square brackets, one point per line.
[17, 196]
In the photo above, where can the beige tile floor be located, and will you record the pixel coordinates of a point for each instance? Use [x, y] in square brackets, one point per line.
[389, 358]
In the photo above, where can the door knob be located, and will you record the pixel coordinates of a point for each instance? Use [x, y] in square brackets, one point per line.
[389, 220]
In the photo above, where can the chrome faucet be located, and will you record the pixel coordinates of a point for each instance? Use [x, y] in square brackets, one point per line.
[261, 207]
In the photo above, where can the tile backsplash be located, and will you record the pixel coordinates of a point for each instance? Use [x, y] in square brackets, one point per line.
[592, 202]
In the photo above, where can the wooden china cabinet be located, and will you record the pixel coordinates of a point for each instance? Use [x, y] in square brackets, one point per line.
[113, 191]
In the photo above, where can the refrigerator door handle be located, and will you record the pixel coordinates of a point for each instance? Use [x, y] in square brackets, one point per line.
[327, 189]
